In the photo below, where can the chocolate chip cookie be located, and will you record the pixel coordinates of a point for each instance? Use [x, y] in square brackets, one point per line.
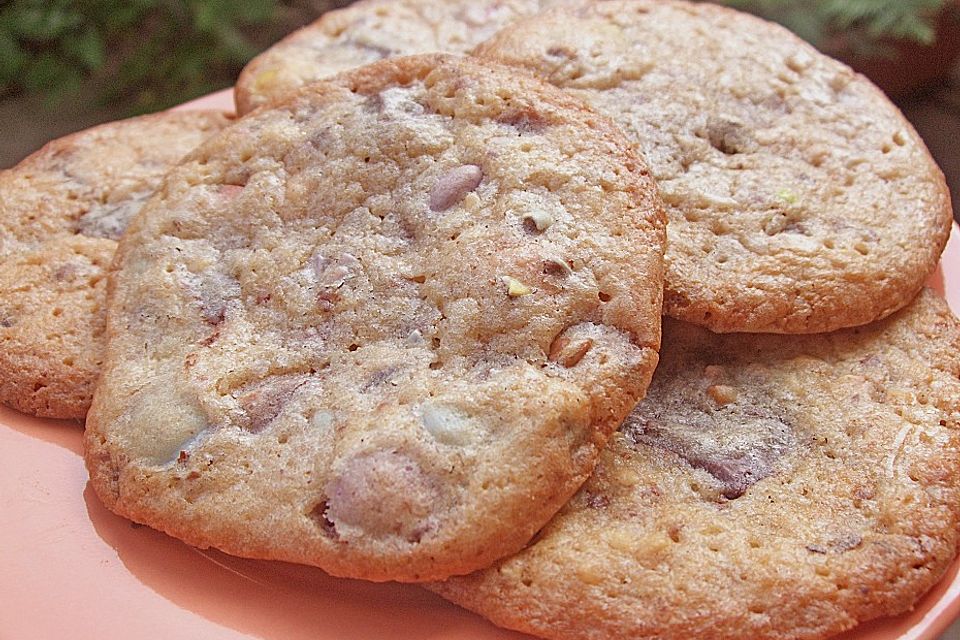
[799, 198]
[368, 31]
[767, 487]
[383, 327]
[61, 212]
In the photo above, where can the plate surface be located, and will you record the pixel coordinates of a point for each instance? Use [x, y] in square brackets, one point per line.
[71, 569]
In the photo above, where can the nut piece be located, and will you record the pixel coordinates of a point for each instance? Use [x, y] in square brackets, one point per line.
[722, 394]
[557, 267]
[568, 353]
[454, 185]
[515, 288]
[538, 219]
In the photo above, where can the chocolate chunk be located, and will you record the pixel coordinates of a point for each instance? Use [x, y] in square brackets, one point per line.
[738, 444]
[111, 220]
[383, 494]
[263, 401]
[839, 544]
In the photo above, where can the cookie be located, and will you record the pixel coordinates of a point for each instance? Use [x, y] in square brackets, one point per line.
[370, 30]
[384, 327]
[799, 199]
[767, 487]
[61, 212]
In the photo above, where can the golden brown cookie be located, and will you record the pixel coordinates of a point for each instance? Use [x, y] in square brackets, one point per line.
[61, 212]
[767, 487]
[369, 30]
[384, 327]
[799, 198]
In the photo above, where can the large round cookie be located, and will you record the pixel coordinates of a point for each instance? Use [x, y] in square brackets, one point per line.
[370, 30]
[767, 487]
[384, 327]
[798, 197]
[61, 212]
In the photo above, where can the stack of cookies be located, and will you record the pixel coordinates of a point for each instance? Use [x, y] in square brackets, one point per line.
[401, 320]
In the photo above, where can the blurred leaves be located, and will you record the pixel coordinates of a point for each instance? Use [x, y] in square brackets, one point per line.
[146, 53]
[860, 25]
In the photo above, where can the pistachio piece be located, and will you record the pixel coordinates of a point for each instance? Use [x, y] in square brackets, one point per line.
[515, 288]
[454, 185]
[787, 196]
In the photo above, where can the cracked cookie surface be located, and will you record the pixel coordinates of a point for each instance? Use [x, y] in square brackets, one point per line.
[767, 487]
[337, 338]
[370, 30]
[799, 199]
[61, 212]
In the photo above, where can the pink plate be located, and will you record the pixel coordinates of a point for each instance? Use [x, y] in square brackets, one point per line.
[71, 569]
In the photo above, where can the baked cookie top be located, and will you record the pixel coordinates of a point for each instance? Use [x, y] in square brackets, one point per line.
[383, 327]
[367, 31]
[799, 199]
[61, 212]
[767, 487]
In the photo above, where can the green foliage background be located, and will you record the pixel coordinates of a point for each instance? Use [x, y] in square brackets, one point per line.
[864, 24]
[150, 54]
[147, 54]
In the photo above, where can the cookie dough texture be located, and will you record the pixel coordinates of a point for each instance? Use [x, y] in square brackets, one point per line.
[384, 327]
[61, 212]
[370, 30]
[767, 487]
[799, 199]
